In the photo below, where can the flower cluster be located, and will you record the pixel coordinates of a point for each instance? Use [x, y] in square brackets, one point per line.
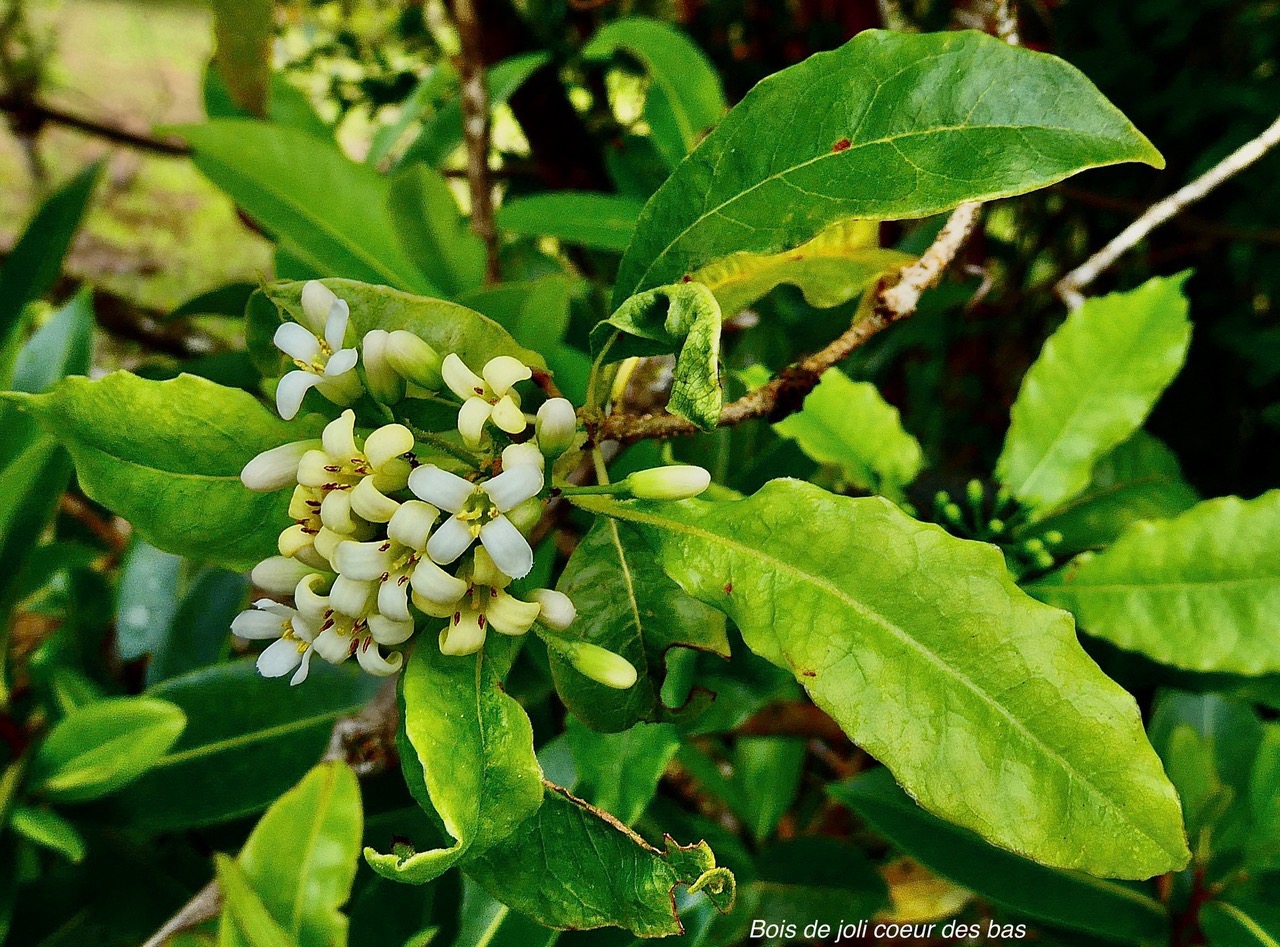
[383, 543]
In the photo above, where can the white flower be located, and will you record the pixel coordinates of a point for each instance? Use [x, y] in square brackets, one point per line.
[485, 604]
[316, 349]
[478, 511]
[276, 468]
[558, 611]
[268, 619]
[556, 425]
[342, 635]
[678, 482]
[491, 397]
[354, 478]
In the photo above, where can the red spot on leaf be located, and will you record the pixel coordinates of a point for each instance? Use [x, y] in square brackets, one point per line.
[686, 278]
[728, 588]
[844, 144]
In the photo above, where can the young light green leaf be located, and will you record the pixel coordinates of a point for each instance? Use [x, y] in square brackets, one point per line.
[1095, 382]
[325, 209]
[1199, 592]
[167, 457]
[573, 867]
[894, 125]
[831, 269]
[472, 746]
[635, 611]
[302, 855]
[596, 221]
[921, 647]
[102, 747]
[683, 319]
[245, 922]
[48, 829]
[685, 98]
[1139, 480]
[432, 231]
[1066, 898]
[247, 741]
[1240, 925]
[619, 772]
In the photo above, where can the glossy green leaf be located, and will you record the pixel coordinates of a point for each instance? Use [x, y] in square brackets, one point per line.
[921, 647]
[685, 98]
[1093, 385]
[146, 599]
[301, 857]
[571, 866]
[439, 82]
[432, 231]
[246, 922]
[1264, 803]
[682, 319]
[473, 746]
[62, 346]
[1069, 899]
[619, 772]
[49, 830]
[247, 741]
[103, 746]
[767, 773]
[197, 635]
[831, 269]
[1240, 925]
[327, 210]
[1139, 480]
[1199, 591]
[635, 611]
[167, 457]
[893, 126]
[597, 221]
[243, 30]
[30, 486]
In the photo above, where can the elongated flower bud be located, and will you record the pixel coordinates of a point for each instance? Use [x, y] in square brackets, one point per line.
[276, 468]
[385, 383]
[414, 359]
[599, 664]
[557, 612]
[556, 425]
[279, 575]
[678, 482]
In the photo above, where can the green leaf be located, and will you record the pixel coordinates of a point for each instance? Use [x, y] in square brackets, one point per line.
[35, 261]
[893, 126]
[146, 599]
[301, 857]
[432, 231]
[1240, 925]
[848, 425]
[683, 319]
[196, 637]
[471, 746]
[243, 30]
[685, 98]
[102, 747]
[619, 772]
[921, 647]
[245, 919]
[247, 741]
[766, 773]
[167, 457]
[1264, 803]
[1139, 480]
[829, 270]
[1095, 382]
[597, 221]
[1069, 899]
[573, 867]
[1199, 592]
[62, 346]
[50, 830]
[330, 212]
[635, 611]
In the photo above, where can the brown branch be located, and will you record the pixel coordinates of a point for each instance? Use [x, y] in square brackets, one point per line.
[476, 131]
[28, 116]
[896, 299]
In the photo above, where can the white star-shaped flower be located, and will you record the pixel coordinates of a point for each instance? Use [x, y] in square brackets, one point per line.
[488, 398]
[316, 349]
[294, 631]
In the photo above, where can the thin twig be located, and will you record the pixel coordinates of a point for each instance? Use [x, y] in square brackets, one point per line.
[476, 131]
[29, 114]
[205, 905]
[1070, 288]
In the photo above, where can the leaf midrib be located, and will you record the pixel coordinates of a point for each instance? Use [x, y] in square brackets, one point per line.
[853, 604]
[1248, 923]
[243, 739]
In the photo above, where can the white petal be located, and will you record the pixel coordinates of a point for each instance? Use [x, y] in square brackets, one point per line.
[341, 362]
[311, 470]
[393, 600]
[351, 597]
[388, 631]
[279, 575]
[558, 611]
[311, 604]
[292, 388]
[326, 542]
[293, 540]
[508, 416]
[461, 380]
[516, 455]
[432, 608]
[385, 383]
[304, 628]
[317, 300]
[450, 541]
[297, 342]
[388, 441]
[370, 657]
[463, 635]
[279, 659]
[484, 572]
[510, 616]
[342, 389]
[511, 552]
[300, 502]
[335, 323]
[335, 511]
[504, 371]
[333, 646]
[371, 504]
[340, 438]
[513, 486]
[411, 524]
[363, 562]
[303, 669]
[439, 487]
[276, 468]
[432, 583]
[472, 417]
[392, 475]
[257, 625]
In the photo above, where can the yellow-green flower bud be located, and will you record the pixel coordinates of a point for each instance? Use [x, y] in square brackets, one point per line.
[414, 359]
[678, 482]
[599, 664]
[384, 382]
[556, 425]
